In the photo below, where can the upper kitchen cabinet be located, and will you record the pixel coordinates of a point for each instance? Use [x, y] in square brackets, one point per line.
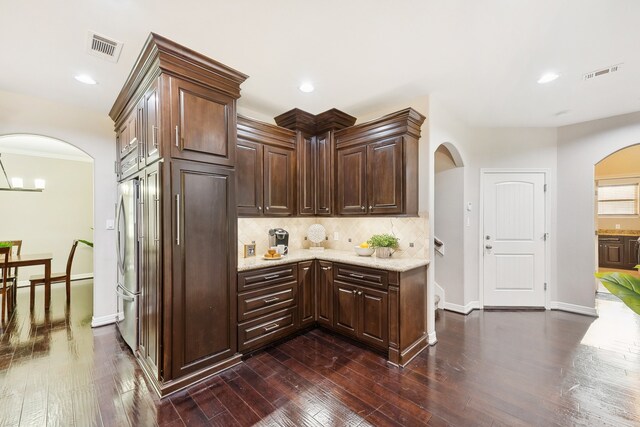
[265, 169]
[315, 156]
[377, 166]
[182, 105]
[202, 120]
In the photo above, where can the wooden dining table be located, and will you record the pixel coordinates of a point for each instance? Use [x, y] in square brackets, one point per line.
[26, 260]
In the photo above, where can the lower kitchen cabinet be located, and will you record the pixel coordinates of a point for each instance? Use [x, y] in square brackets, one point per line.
[307, 292]
[324, 293]
[618, 252]
[382, 309]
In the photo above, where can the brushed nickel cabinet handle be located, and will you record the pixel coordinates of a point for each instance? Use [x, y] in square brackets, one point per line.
[177, 137]
[178, 219]
[359, 292]
[357, 276]
[273, 276]
[271, 327]
[361, 207]
[154, 137]
[370, 207]
[270, 300]
[306, 268]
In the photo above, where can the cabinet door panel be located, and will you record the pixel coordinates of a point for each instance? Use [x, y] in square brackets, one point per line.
[352, 173]
[373, 322]
[324, 303]
[614, 255]
[204, 264]
[345, 304]
[631, 251]
[384, 177]
[151, 124]
[306, 174]
[306, 293]
[278, 181]
[324, 175]
[249, 178]
[152, 267]
[203, 124]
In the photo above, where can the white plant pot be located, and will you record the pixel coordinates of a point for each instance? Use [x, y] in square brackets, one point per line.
[384, 252]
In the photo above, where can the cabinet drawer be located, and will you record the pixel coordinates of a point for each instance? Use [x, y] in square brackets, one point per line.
[361, 275]
[129, 164]
[264, 301]
[255, 279]
[266, 329]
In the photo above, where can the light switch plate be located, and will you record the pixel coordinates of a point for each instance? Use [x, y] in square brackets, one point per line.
[110, 224]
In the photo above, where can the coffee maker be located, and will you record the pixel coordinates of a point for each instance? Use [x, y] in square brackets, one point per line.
[279, 236]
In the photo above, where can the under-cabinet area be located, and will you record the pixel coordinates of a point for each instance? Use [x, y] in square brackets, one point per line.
[619, 251]
[379, 303]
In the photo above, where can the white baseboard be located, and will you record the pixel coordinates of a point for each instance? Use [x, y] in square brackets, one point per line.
[463, 309]
[572, 308]
[431, 337]
[439, 291]
[103, 320]
[74, 277]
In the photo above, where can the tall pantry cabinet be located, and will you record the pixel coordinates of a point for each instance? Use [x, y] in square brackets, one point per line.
[175, 121]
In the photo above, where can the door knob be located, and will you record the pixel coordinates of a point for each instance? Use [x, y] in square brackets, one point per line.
[488, 246]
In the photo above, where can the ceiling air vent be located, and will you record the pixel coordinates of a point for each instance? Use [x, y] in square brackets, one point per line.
[602, 72]
[103, 47]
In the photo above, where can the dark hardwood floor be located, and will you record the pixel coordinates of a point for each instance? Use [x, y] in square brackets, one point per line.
[488, 369]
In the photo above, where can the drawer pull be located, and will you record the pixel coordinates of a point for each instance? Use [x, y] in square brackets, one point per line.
[326, 268]
[271, 327]
[357, 276]
[270, 300]
[306, 268]
[273, 276]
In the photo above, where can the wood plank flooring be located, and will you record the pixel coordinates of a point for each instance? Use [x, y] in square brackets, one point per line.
[488, 369]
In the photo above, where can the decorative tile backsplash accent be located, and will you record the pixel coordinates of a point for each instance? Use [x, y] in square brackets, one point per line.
[408, 230]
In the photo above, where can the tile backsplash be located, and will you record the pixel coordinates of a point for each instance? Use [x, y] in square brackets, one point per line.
[408, 230]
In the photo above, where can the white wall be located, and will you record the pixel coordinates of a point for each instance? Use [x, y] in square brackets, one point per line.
[48, 222]
[580, 147]
[448, 218]
[93, 134]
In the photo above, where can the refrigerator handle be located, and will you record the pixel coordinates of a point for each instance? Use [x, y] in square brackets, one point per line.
[119, 235]
[125, 297]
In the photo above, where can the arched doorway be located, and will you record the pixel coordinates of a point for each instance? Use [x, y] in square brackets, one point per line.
[617, 212]
[449, 218]
[48, 221]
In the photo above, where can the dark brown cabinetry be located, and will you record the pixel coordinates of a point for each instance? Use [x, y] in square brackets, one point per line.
[176, 112]
[307, 292]
[618, 252]
[203, 286]
[266, 169]
[383, 309]
[267, 305]
[324, 293]
[315, 156]
[361, 311]
[377, 170]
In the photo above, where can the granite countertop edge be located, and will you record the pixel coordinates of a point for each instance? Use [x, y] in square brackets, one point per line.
[391, 264]
[613, 232]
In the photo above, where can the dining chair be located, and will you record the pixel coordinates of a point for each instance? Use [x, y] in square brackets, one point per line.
[38, 279]
[4, 260]
[12, 274]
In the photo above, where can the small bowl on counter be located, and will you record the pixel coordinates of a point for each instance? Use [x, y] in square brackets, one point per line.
[363, 251]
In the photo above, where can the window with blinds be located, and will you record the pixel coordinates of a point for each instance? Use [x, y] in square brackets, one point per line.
[618, 199]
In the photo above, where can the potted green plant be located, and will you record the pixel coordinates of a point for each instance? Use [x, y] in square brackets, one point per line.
[624, 286]
[384, 244]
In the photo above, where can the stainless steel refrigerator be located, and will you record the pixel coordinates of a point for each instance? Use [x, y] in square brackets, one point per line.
[128, 290]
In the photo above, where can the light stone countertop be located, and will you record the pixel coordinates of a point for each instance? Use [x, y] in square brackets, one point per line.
[614, 232]
[391, 264]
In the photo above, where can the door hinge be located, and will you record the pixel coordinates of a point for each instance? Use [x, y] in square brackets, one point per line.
[545, 187]
[545, 286]
[545, 236]
[115, 167]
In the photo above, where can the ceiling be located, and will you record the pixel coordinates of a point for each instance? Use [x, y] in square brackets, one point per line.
[41, 146]
[479, 58]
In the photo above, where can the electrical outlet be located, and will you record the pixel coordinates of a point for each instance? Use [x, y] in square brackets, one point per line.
[349, 239]
[411, 244]
[617, 226]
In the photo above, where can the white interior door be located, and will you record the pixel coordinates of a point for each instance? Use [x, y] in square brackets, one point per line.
[514, 239]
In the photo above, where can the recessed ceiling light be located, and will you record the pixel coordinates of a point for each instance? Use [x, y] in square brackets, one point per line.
[306, 87]
[548, 77]
[83, 78]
